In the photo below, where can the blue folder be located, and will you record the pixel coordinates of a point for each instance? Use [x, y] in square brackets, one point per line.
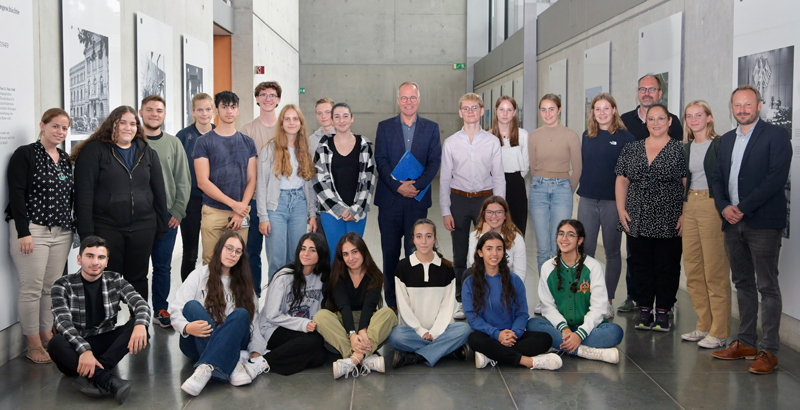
[409, 169]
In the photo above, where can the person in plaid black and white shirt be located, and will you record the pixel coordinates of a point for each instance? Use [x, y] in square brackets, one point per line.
[85, 305]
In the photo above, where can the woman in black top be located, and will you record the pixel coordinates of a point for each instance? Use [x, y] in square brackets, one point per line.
[651, 177]
[120, 195]
[40, 203]
[361, 325]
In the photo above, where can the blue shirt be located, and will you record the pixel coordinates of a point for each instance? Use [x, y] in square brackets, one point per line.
[408, 132]
[227, 161]
[188, 137]
[495, 317]
[599, 157]
[128, 155]
[736, 161]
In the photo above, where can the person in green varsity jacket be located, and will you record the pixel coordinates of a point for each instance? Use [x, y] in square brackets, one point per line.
[573, 293]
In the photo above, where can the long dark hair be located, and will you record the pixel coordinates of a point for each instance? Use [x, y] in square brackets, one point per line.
[340, 269]
[241, 282]
[425, 221]
[480, 288]
[557, 261]
[107, 131]
[322, 268]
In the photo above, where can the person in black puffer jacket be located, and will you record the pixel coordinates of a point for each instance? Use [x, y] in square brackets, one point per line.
[120, 195]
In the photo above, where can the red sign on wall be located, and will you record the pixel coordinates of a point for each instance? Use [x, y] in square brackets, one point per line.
[259, 69]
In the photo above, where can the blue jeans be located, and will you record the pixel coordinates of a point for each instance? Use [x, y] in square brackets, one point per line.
[605, 335]
[221, 349]
[550, 202]
[254, 243]
[288, 222]
[162, 266]
[405, 339]
[336, 228]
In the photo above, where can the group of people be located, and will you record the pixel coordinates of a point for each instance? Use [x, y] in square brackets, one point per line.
[132, 185]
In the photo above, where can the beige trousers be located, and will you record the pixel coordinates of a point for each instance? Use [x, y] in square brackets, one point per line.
[706, 264]
[213, 225]
[331, 327]
[37, 273]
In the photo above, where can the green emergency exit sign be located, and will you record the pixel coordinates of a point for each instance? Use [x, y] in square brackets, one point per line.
[302, 90]
[460, 66]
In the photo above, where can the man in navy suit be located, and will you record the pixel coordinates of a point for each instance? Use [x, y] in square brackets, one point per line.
[752, 169]
[397, 207]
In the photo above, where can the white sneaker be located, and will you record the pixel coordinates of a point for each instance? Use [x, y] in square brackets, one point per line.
[609, 312]
[256, 366]
[694, 336]
[538, 309]
[711, 342]
[195, 383]
[481, 361]
[546, 361]
[610, 355]
[239, 376]
[459, 313]
[373, 363]
[344, 367]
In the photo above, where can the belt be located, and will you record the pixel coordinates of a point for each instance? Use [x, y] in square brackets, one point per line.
[480, 194]
[698, 191]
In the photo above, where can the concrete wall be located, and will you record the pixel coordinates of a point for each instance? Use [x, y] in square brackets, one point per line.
[359, 51]
[192, 17]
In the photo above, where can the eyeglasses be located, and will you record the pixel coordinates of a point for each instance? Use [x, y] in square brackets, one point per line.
[473, 108]
[495, 213]
[233, 251]
[650, 90]
[267, 96]
[569, 235]
[405, 99]
[658, 119]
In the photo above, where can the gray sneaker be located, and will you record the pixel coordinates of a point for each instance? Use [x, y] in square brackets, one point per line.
[609, 312]
[627, 306]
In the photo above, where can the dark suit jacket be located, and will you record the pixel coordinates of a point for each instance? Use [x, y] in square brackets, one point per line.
[390, 147]
[762, 176]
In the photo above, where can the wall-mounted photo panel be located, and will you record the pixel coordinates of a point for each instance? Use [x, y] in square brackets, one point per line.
[596, 74]
[764, 56]
[519, 95]
[196, 74]
[661, 53]
[92, 65]
[154, 59]
[558, 86]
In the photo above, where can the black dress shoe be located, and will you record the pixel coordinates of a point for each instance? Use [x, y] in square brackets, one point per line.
[88, 388]
[118, 387]
[405, 358]
[463, 353]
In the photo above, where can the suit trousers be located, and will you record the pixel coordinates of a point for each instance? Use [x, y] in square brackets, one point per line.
[465, 212]
[396, 223]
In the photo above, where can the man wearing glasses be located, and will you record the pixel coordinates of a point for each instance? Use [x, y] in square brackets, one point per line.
[472, 169]
[398, 207]
[261, 130]
[648, 93]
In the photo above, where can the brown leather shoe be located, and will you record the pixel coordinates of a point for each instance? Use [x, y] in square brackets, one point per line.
[736, 350]
[765, 363]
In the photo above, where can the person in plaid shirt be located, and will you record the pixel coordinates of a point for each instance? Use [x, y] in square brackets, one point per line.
[85, 305]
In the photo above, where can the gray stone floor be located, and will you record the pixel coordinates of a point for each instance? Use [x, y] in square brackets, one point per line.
[656, 371]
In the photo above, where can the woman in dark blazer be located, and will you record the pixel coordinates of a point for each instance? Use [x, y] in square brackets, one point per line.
[120, 195]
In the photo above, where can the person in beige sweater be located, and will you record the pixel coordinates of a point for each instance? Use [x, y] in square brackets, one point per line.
[552, 150]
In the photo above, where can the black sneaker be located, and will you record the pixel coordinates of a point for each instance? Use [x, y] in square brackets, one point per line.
[645, 319]
[662, 320]
[118, 387]
[463, 353]
[405, 359]
[88, 388]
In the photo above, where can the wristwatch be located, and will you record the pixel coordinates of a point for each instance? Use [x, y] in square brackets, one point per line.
[350, 333]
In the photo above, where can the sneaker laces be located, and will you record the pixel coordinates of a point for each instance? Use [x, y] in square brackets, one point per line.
[355, 372]
[257, 367]
[163, 313]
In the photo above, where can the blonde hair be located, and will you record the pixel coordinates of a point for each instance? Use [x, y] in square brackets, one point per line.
[199, 97]
[688, 134]
[513, 136]
[470, 97]
[280, 147]
[747, 87]
[616, 122]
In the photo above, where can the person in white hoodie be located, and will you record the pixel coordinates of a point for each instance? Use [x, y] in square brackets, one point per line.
[572, 289]
[214, 310]
[285, 340]
[426, 293]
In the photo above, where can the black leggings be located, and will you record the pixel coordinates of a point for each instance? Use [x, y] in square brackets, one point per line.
[517, 200]
[190, 235]
[129, 255]
[291, 351]
[529, 344]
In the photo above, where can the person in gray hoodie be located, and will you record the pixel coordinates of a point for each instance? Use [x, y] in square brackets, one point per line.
[285, 340]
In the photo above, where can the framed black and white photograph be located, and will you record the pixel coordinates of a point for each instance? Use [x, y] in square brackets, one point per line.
[196, 73]
[91, 48]
[154, 64]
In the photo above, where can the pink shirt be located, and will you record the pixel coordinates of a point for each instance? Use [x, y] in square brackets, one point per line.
[470, 167]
